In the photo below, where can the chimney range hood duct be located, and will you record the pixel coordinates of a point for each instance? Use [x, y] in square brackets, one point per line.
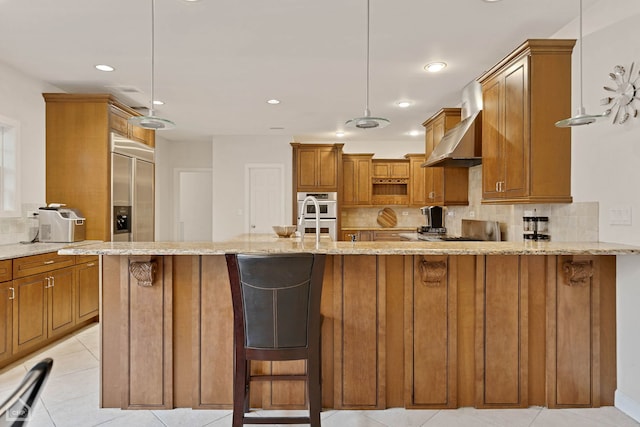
[461, 146]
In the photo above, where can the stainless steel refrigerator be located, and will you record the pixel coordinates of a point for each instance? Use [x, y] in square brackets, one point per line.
[132, 190]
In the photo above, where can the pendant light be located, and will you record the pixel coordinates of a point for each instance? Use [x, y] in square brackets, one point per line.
[151, 121]
[580, 118]
[367, 121]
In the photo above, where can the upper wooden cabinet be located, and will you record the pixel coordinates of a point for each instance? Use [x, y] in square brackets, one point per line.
[526, 159]
[356, 179]
[78, 162]
[392, 168]
[443, 186]
[316, 166]
[417, 180]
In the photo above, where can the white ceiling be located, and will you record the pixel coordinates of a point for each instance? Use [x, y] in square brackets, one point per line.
[218, 61]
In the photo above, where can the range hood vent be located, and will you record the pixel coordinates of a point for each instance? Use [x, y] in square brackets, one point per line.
[461, 146]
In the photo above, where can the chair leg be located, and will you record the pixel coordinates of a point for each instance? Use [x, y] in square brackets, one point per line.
[239, 390]
[247, 386]
[314, 389]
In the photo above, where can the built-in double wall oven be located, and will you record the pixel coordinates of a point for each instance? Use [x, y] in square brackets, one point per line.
[328, 212]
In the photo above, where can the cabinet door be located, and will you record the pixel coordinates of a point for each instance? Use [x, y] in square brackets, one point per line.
[501, 332]
[87, 290]
[516, 118]
[430, 334]
[438, 173]
[6, 319]
[356, 180]
[327, 169]
[417, 195]
[29, 311]
[428, 172]
[359, 332]
[60, 301]
[492, 139]
[399, 169]
[307, 167]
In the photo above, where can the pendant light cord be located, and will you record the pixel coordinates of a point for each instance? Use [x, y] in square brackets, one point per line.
[153, 50]
[366, 107]
[581, 103]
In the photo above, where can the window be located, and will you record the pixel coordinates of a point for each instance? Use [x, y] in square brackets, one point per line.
[9, 182]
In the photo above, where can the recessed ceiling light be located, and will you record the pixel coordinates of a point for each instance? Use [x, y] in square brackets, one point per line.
[339, 134]
[434, 67]
[158, 102]
[403, 104]
[491, 1]
[276, 128]
[414, 132]
[273, 101]
[104, 67]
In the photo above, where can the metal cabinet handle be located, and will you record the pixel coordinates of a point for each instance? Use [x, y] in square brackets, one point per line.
[497, 186]
[53, 281]
[49, 262]
[91, 264]
[13, 293]
[48, 285]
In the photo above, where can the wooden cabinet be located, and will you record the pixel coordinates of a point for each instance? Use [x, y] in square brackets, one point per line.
[387, 236]
[501, 332]
[390, 182]
[581, 338]
[359, 332]
[430, 333]
[316, 167]
[383, 168]
[526, 159]
[7, 295]
[119, 123]
[87, 288]
[48, 297]
[78, 162]
[417, 180]
[444, 186]
[356, 235]
[356, 179]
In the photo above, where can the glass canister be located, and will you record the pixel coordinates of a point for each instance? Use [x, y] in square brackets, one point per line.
[542, 224]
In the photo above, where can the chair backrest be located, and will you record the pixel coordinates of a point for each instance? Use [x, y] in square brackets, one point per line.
[276, 298]
[18, 408]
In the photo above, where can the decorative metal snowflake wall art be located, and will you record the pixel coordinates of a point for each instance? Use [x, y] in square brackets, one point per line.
[622, 99]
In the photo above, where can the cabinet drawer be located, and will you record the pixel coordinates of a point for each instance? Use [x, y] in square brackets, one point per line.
[6, 271]
[82, 259]
[387, 236]
[35, 264]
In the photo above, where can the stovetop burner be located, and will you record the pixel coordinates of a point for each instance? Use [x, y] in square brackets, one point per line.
[431, 230]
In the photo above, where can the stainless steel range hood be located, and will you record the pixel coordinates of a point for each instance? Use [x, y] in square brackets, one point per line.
[461, 146]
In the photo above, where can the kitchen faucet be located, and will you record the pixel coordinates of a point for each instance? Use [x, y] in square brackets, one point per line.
[301, 218]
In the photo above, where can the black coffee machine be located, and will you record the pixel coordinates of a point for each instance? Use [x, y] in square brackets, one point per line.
[434, 218]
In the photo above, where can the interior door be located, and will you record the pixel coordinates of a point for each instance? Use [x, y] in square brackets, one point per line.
[266, 197]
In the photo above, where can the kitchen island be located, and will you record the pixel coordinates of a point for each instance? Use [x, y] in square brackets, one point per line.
[405, 324]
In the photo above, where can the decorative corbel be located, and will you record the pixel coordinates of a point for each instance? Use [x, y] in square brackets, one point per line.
[144, 272]
[577, 273]
[432, 272]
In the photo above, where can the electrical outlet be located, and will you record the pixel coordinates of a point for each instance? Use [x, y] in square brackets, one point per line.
[451, 214]
[405, 213]
[31, 213]
[472, 214]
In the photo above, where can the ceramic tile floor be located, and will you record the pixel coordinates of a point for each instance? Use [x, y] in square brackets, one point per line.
[70, 399]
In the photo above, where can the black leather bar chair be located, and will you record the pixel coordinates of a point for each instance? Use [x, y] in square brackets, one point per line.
[18, 408]
[276, 310]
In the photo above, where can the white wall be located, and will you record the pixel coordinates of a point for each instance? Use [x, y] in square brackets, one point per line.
[169, 157]
[605, 168]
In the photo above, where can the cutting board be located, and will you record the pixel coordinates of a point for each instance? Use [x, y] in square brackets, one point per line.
[387, 218]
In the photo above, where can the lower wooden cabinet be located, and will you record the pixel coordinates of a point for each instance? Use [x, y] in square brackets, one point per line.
[87, 288]
[6, 319]
[430, 337]
[501, 331]
[48, 297]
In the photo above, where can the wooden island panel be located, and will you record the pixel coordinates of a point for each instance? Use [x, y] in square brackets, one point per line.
[419, 331]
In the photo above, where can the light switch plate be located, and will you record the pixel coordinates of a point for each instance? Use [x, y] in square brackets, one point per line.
[620, 215]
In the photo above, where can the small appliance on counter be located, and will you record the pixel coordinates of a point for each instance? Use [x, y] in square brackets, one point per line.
[434, 221]
[60, 225]
[472, 231]
[535, 227]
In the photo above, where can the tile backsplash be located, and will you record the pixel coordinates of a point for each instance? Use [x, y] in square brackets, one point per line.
[22, 229]
[568, 222]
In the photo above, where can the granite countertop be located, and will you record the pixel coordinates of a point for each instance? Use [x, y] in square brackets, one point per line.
[267, 243]
[18, 250]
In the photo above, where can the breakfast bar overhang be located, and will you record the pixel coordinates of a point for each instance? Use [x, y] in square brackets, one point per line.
[405, 324]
